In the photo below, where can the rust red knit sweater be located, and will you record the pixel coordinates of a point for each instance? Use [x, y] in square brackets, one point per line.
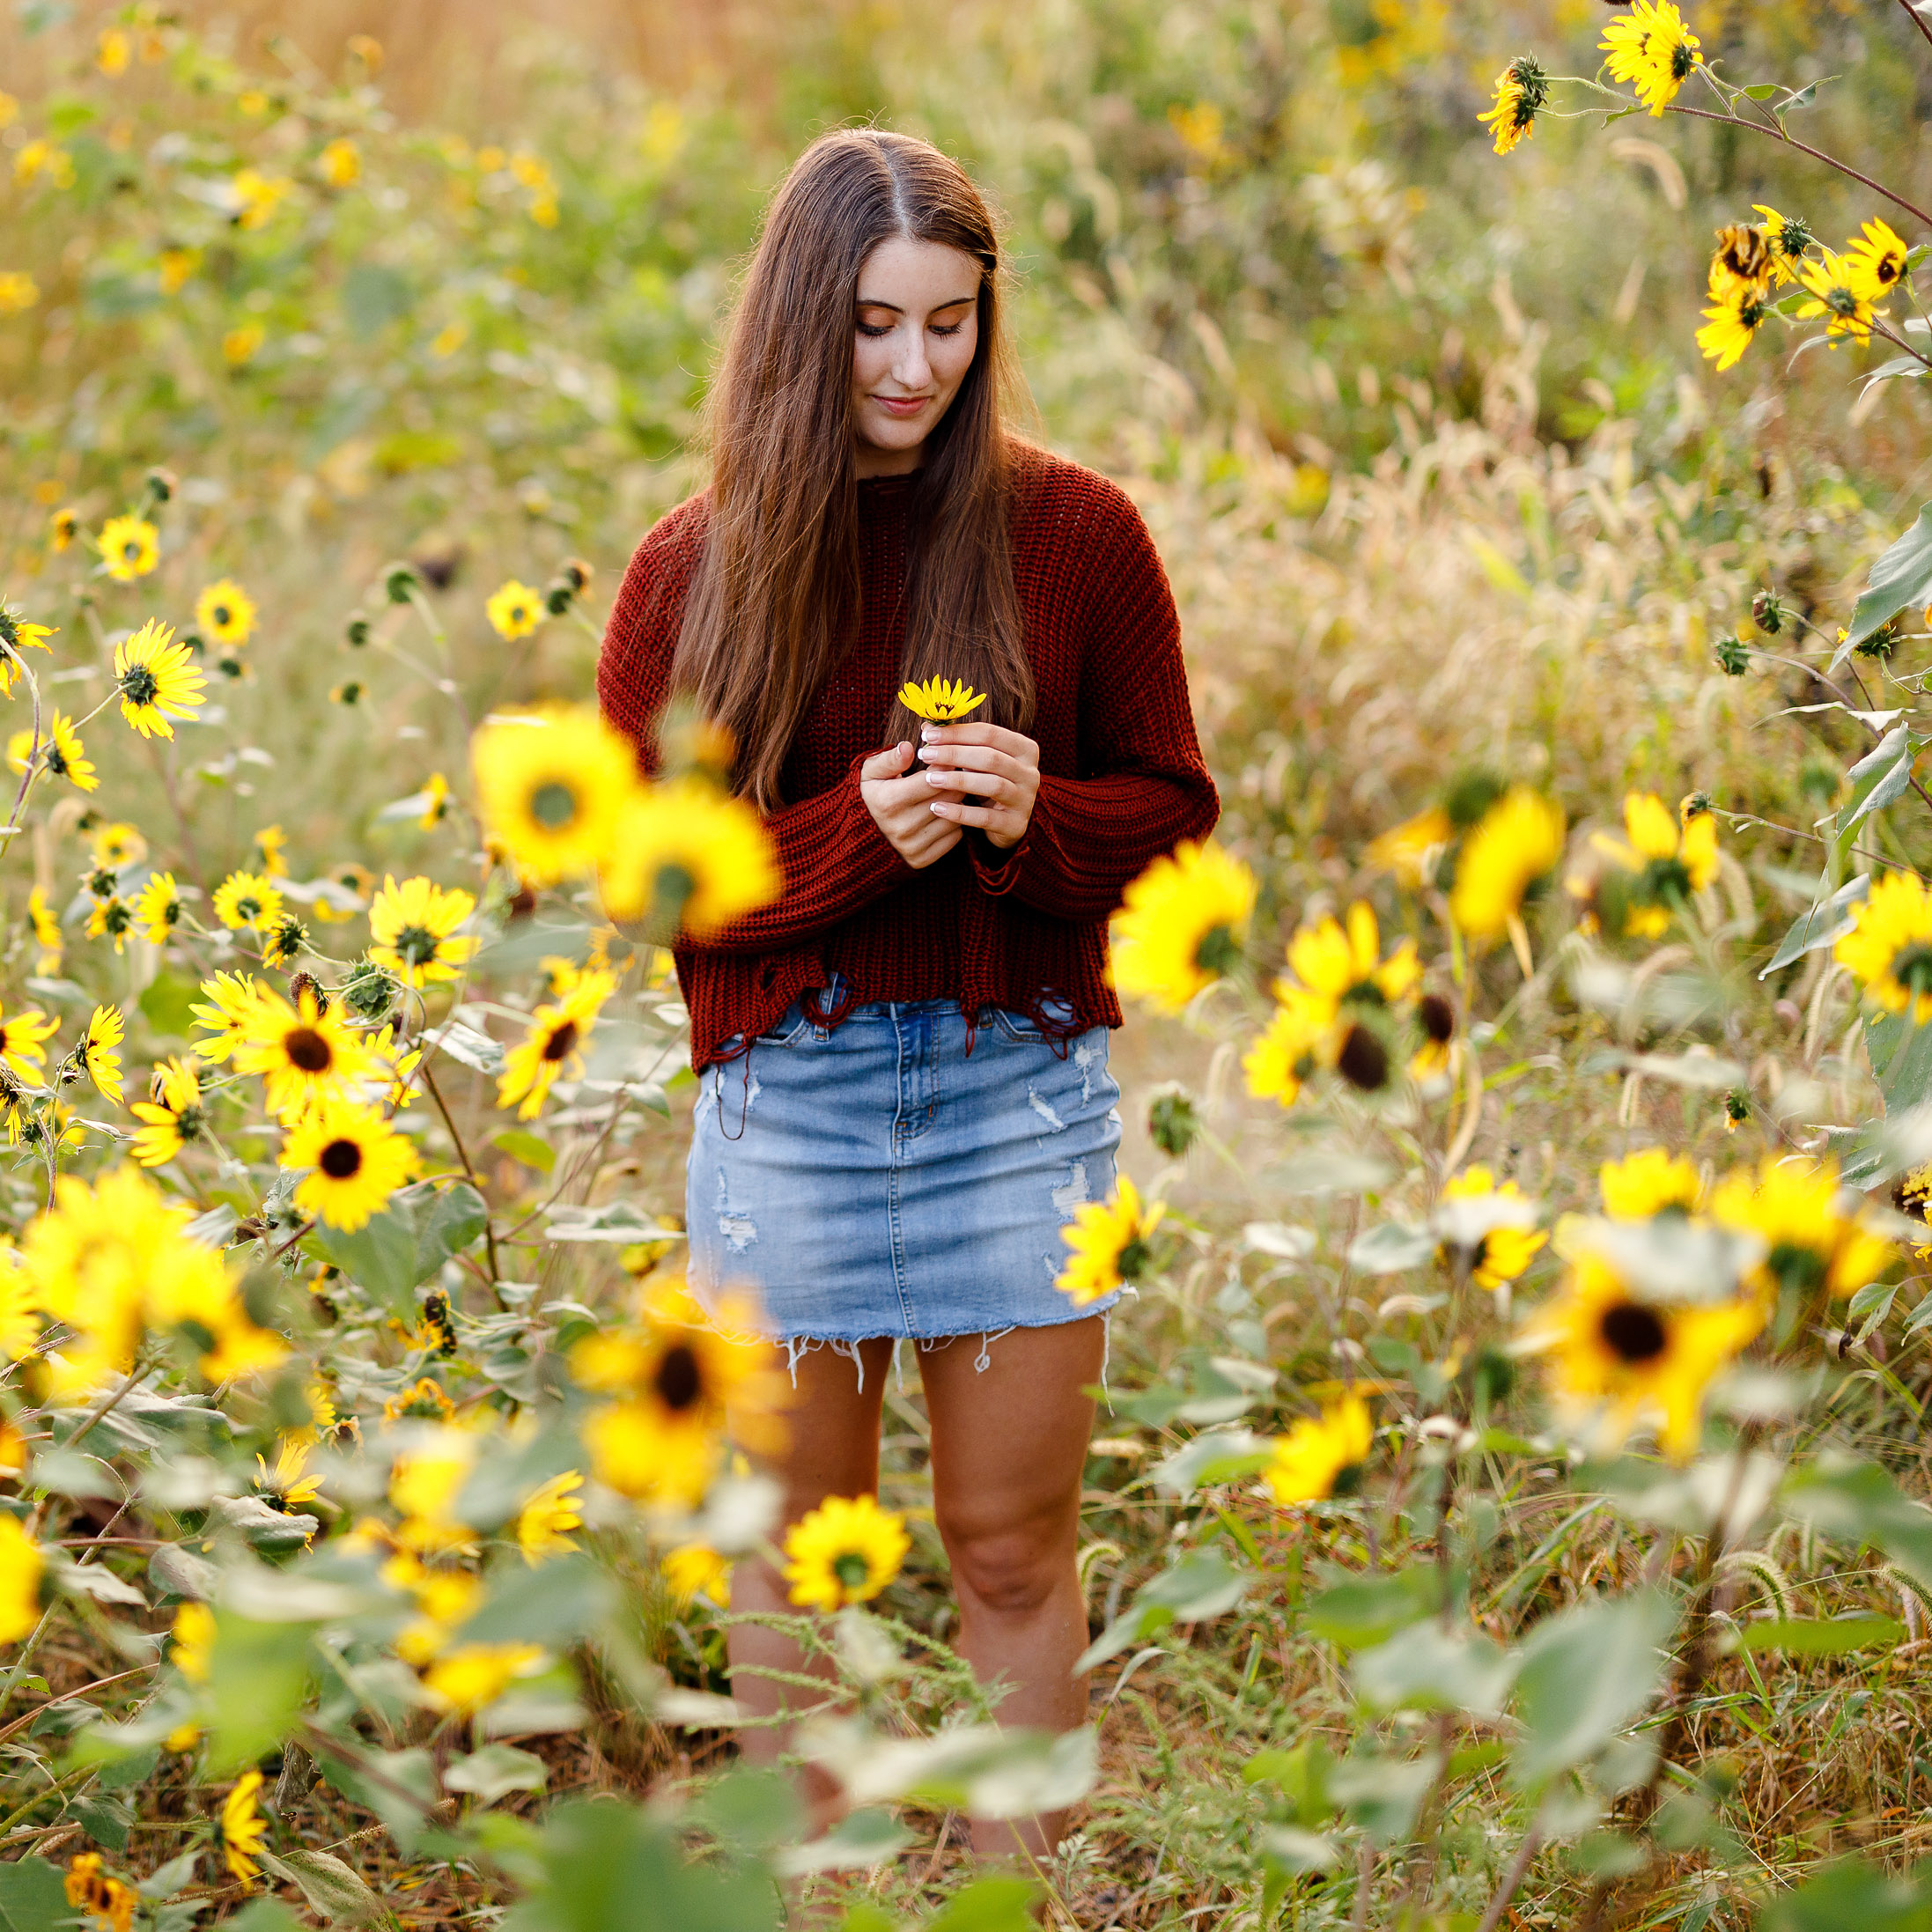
[1121, 781]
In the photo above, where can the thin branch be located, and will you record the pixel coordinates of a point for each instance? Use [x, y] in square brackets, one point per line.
[1506, 1887]
[1816, 154]
[1917, 20]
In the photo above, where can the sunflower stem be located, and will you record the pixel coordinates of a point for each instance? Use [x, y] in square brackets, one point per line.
[476, 1180]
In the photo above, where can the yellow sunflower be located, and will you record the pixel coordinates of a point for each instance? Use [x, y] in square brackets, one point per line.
[1652, 50]
[103, 1901]
[552, 785]
[158, 680]
[1742, 260]
[95, 1056]
[1619, 1358]
[674, 1378]
[412, 930]
[1789, 236]
[515, 610]
[1107, 1244]
[230, 1012]
[172, 1115]
[130, 546]
[117, 845]
[549, 1513]
[688, 860]
[552, 1049]
[243, 1829]
[1731, 324]
[356, 1161]
[940, 700]
[1876, 257]
[1521, 90]
[1288, 1053]
[1843, 292]
[1515, 846]
[247, 898]
[1889, 948]
[46, 933]
[226, 612]
[1649, 1183]
[21, 1053]
[1321, 1456]
[1346, 967]
[844, 1552]
[1502, 1252]
[61, 753]
[306, 1052]
[1654, 873]
[1407, 849]
[1181, 925]
[1812, 1244]
[157, 908]
[696, 1569]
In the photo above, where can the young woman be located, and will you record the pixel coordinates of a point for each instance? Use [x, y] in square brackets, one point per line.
[904, 1090]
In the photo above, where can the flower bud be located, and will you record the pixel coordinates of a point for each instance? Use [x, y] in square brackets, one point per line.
[400, 582]
[356, 630]
[1767, 612]
[1733, 656]
[1173, 1125]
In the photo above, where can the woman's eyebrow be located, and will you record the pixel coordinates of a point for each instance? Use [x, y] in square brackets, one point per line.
[958, 301]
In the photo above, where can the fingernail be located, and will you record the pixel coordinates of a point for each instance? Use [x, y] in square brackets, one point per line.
[929, 731]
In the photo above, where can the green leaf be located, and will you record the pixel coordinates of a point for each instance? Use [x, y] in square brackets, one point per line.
[1585, 1674]
[1762, 91]
[1301, 1774]
[1822, 924]
[1392, 1247]
[257, 1674]
[1857, 1503]
[1851, 1896]
[1878, 778]
[1383, 1795]
[1371, 1609]
[379, 1256]
[990, 1905]
[32, 1896]
[333, 1888]
[1431, 1668]
[264, 1915]
[496, 1771]
[526, 1148]
[447, 1219]
[1901, 578]
[1824, 1637]
[1203, 1583]
[1901, 1057]
[400, 1793]
[607, 1868]
[553, 1603]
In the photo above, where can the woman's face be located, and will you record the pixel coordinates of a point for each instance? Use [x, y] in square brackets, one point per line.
[914, 332]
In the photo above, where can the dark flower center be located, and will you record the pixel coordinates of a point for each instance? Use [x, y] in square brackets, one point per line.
[553, 805]
[224, 616]
[1912, 967]
[55, 762]
[140, 684]
[308, 1051]
[130, 548]
[1633, 1333]
[1218, 950]
[678, 1381]
[561, 1041]
[340, 1160]
[1796, 1266]
[117, 918]
[417, 944]
[851, 1568]
[249, 908]
[1363, 1061]
[1841, 301]
[1438, 1018]
[1682, 61]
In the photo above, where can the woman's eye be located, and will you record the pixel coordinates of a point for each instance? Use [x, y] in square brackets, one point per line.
[951, 328]
[869, 328]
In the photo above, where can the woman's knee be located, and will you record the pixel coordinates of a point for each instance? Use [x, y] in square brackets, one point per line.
[1011, 1568]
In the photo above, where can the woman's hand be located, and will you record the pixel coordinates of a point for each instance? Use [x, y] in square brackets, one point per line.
[902, 808]
[998, 770]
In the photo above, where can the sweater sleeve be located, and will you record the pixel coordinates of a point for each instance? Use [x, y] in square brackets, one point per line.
[1142, 785]
[830, 851]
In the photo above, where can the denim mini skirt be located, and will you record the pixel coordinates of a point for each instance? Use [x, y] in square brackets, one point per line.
[900, 1174]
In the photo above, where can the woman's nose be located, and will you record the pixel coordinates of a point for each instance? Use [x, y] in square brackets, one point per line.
[910, 368]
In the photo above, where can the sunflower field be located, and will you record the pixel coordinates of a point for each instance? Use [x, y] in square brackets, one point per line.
[1513, 1504]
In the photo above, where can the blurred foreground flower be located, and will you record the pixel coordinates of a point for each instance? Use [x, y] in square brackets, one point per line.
[1641, 883]
[1514, 847]
[1181, 925]
[1889, 948]
[1109, 1243]
[1619, 1358]
[687, 859]
[844, 1552]
[21, 1565]
[243, 1829]
[1811, 1243]
[1499, 1253]
[552, 785]
[1321, 1456]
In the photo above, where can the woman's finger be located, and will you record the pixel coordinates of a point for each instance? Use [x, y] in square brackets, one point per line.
[993, 784]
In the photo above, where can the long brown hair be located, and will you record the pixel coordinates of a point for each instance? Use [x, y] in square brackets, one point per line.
[777, 592]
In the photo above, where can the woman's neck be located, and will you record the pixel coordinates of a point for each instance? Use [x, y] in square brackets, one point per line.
[868, 459]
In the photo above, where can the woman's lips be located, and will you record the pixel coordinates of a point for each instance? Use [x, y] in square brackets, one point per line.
[902, 405]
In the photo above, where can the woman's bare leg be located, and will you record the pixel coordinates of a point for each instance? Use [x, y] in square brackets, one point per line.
[1009, 1446]
[832, 1449]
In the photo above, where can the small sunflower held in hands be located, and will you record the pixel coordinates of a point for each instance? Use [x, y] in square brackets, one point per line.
[844, 1552]
[940, 700]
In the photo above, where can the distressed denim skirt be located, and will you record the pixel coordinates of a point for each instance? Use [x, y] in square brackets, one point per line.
[899, 1174]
